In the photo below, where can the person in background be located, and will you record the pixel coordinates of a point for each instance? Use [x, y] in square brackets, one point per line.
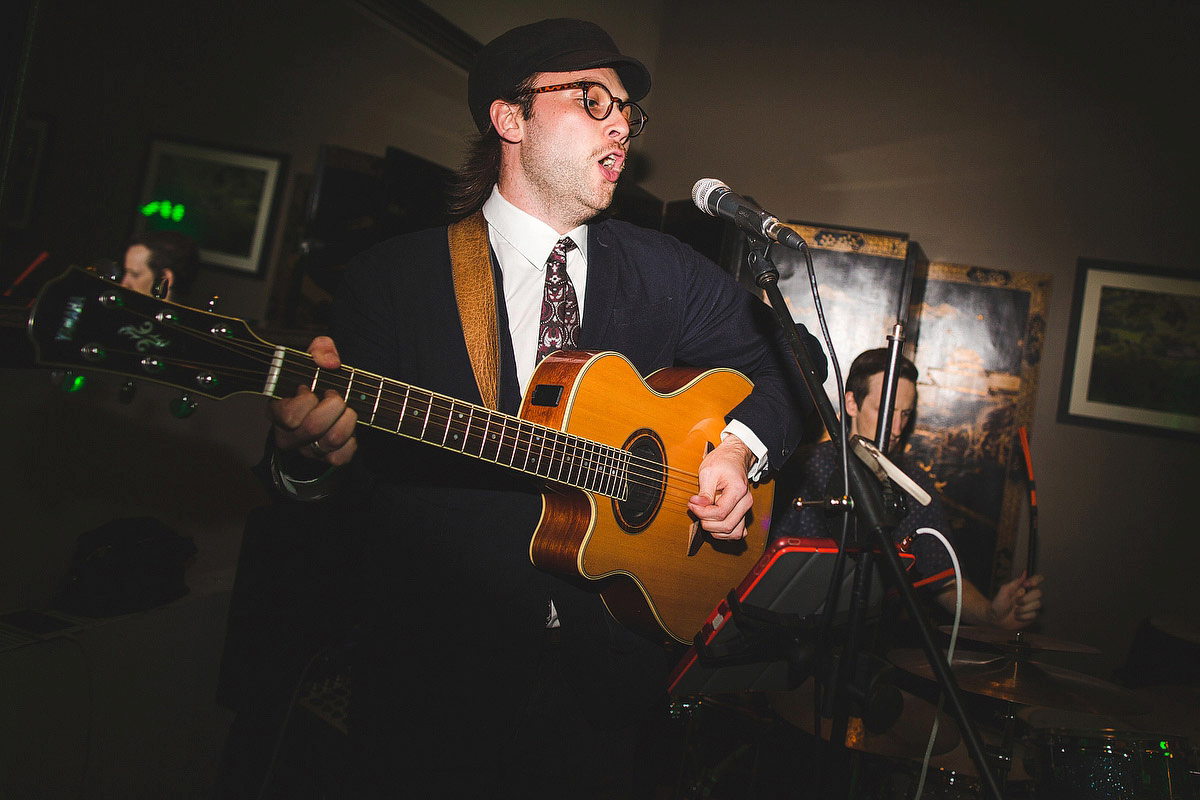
[818, 466]
[161, 255]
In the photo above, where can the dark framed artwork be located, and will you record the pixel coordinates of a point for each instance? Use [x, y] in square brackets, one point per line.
[860, 277]
[979, 348]
[352, 201]
[1133, 352]
[224, 199]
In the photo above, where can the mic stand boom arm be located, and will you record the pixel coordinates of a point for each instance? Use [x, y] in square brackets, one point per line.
[867, 495]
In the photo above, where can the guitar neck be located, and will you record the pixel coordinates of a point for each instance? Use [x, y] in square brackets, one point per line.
[82, 320]
[414, 413]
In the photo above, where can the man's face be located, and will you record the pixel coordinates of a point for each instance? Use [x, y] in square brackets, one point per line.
[865, 418]
[569, 162]
[138, 275]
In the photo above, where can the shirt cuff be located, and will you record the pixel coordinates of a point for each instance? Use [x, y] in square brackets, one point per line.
[753, 442]
[317, 488]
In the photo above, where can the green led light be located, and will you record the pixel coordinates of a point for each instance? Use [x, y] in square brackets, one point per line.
[165, 209]
[182, 407]
[73, 382]
[1164, 746]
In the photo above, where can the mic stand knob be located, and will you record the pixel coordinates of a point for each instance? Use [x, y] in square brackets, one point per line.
[829, 503]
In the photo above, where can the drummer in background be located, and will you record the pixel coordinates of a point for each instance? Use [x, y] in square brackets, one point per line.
[1015, 605]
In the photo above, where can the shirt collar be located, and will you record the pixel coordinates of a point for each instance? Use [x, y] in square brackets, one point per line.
[527, 234]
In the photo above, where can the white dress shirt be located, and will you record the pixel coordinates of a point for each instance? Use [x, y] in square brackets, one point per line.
[522, 244]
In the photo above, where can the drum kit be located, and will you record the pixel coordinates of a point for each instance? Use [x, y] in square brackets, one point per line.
[1048, 732]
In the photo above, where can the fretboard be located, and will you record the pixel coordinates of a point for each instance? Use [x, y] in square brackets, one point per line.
[475, 431]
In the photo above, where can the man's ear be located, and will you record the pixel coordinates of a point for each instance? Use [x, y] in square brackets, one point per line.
[851, 405]
[169, 277]
[506, 119]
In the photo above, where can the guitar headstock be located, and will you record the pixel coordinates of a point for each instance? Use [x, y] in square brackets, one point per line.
[83, 321]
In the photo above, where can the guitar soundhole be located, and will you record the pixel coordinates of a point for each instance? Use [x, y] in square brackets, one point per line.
[647, 481]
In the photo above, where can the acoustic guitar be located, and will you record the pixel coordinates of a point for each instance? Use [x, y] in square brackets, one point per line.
[617, 453]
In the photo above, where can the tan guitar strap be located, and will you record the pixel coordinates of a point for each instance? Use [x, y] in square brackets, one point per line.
[475, 288]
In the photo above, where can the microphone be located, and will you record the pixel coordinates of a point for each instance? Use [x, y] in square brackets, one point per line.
[716, 199]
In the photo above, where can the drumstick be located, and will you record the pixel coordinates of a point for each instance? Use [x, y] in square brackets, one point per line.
[1031, 557]
[21, 278]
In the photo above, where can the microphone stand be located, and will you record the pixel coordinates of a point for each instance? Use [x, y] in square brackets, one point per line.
[867, 496]
[861, 596]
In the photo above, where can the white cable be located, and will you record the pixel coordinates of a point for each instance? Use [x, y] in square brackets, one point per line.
[958, 603]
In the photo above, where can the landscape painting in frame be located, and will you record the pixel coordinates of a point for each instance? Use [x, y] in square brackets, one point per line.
[1133, 356]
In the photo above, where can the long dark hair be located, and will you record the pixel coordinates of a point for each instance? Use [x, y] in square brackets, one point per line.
[481, 168]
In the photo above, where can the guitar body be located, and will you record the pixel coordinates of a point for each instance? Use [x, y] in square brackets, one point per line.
[659, 571]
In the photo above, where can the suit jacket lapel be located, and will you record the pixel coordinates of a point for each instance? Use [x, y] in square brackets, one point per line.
[603, 269]
[509, 389]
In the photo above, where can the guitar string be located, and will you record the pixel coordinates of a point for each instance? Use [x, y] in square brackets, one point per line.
[643, 475]
[638, 468]
[590, 455]
[642, 472]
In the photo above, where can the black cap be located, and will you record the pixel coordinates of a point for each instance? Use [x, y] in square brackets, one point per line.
[552, 45]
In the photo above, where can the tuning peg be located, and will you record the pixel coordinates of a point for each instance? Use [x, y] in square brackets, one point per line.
[183, 406]
[108, 269]
[69, 381]
[127, 392]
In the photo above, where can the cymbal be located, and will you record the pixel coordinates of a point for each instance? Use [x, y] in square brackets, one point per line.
[907, 738]
[1018, 640]
[1029, 683]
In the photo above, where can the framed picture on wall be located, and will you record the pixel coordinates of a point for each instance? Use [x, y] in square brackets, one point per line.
[224, 199]
[1133, 353]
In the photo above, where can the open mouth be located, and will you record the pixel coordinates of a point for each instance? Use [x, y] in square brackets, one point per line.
[612, 162]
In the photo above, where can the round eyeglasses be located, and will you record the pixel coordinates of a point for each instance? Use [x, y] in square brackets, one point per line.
[599, 102]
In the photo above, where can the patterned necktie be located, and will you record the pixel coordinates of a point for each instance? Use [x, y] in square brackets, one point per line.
[560, 308]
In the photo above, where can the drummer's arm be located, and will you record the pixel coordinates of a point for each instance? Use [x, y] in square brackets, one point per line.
[1015, 606]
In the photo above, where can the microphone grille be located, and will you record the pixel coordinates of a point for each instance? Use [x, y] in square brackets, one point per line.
[701, 192]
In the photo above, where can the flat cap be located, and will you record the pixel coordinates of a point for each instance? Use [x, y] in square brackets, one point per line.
[552, 45]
